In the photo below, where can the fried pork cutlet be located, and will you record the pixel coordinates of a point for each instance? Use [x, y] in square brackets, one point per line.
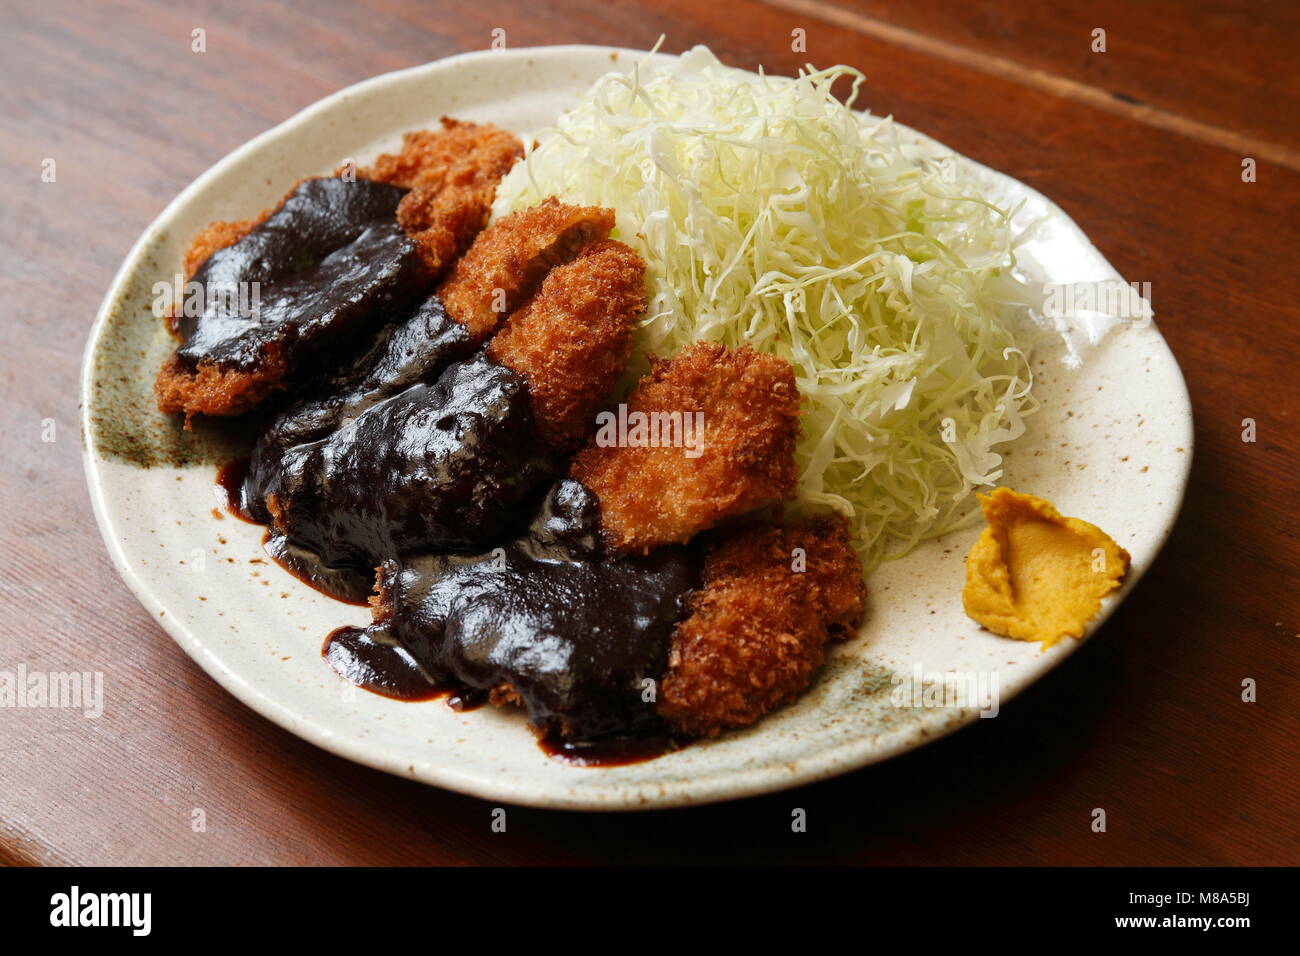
[510, 258]
[329, 265]
[459, 154]
[652, 495]
[452, 175]
[753, 635]
[414, 350]
[464, 160]
[537, 621]
[441, 462]
[572, 339]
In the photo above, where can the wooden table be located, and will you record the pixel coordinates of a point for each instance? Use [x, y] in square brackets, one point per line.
[1142, 144]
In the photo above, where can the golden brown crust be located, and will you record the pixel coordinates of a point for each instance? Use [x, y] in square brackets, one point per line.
[210, 390]
[452, 175]
[650, 496]
[443, 224]
[572, 339]
[510, 258]
[459, 154]
[381, 598]
[755, 631]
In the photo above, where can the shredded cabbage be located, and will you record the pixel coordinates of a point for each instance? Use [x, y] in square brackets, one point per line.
[771, 214]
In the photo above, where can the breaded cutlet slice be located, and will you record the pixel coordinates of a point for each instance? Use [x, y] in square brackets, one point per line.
[212, 390]
[510, 258]
[463, 160]
[326, 265]
[572, 339]
[754, 632]
[459, 154]
[452, 175]
[651, 496]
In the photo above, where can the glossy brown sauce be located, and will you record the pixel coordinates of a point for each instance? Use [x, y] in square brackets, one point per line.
[611, 752]
[230, 484]
[380, 667]
[326, 267]
[345, 585]
[390, 672]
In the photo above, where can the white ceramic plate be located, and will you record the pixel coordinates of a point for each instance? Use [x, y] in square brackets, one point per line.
[1112, 444]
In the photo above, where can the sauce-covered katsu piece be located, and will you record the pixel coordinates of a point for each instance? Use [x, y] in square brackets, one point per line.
[595, 639]
[319, 273]
[289, 295]
[404, 353]
[542, 621]
[424, 446]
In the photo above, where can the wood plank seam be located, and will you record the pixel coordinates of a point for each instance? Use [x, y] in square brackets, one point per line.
[1116, 103]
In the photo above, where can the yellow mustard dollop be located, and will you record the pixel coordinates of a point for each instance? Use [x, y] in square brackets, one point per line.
[1036, 575]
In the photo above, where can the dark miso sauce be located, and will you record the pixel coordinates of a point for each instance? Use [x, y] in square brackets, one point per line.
[379, 666]
[230, 488]
[370, 660]
[610, 752]
[388, 669]
[348, 585]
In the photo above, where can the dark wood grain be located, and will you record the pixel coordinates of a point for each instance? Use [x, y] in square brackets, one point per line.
[1146, 721]
[1208, 66]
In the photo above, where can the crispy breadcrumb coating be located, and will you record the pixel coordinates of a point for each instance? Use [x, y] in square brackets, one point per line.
[755, 631]
[459, 154]
[209, 389]
[452, 175]
[572, 339]
[443, 224]
[650, 496]
[510, 258]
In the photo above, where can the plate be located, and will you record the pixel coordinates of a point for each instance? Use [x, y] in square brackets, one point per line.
[1112, 444]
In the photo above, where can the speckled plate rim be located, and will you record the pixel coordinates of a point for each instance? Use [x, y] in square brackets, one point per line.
[753, 781]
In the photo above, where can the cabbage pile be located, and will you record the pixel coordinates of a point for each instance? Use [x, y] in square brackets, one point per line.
[771, 214]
